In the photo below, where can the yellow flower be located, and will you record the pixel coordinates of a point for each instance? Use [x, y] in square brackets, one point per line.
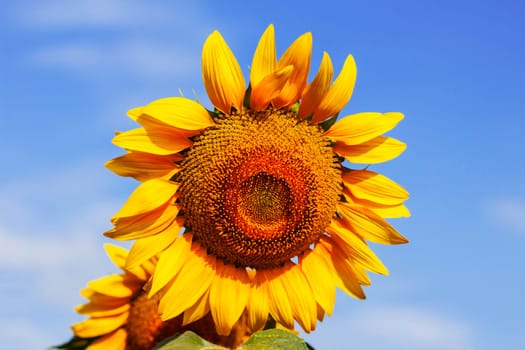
[273, 219]
[121, 316]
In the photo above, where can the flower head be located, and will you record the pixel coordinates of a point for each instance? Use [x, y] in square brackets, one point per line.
[273, 218]
[121, 316]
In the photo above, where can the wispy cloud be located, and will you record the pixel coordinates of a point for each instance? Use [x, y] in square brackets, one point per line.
[115, 37]
[138, 58]
[509, 211]
[50, 232]
[60, 14]
[22, 334]
[393, 327]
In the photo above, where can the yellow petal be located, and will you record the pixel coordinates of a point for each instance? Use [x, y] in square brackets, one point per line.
[368, 225]
[118, 255]
[317, 89]
[96, 326]
[257, 308]
[222, 75]
[135, 113]
[190, 283]
[228, 296]
[115, 341]
[103, 299]
[279, 303]
[146, 225]
[319, 274]
[297, 55]
[374, 187]
[179, 112]
[358, 128]
[99, 310]
[116, 286]
[198, 310]
[148, 196]
[147, 247]
[304, 306]
[377, 150]
[354, 247]
[344, 275]
[268, 88]
[170, 262]
[395, 211]
[384, 211]
[264, 58]
[143, 166]
[339, 94]
[320, 313]
[156, 141]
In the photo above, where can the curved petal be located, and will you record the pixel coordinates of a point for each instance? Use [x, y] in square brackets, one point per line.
[170, 263]
[339, 94]
[147, 247]
[395, 211]
[304, 306]
[377, 150]
[374, 187]
[190, 283]
[146, 225]
[355, 247]
[99, 310]
[144, 166]
[228, 296]
[157, 141]
[116, 254]
[384, 211]
[103, 299]
[179, 112]
[344, 273]
[222, 75]
[96, 326]
[264, 58]
[115, 286]
[146, 197]
[297, 55]
[358, 128]
[268, 88]
[198, 310]
[135, 113]
[279, 303]
[314, 93]
[368, 225]
[257, 308]
[115, 341]
[319, 274]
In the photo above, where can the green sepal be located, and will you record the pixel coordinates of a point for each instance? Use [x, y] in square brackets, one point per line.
[76, 343]
[276, 339]
[187, 341]
[327, 124]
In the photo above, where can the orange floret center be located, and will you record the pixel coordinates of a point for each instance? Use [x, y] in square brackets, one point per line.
[259, 187]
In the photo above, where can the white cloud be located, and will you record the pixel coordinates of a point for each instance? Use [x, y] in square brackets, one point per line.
[86, 13]
[20, 334]
[142, 58]
[392, 328]
[51, 233]
[509, 212]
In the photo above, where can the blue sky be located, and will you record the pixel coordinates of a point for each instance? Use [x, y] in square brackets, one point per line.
[69, 71]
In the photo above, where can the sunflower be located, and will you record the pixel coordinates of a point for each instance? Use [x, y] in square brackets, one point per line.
[121, 316]
[255, 208]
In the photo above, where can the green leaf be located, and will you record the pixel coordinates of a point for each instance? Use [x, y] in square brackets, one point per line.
[187, 341]
[275, 339]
